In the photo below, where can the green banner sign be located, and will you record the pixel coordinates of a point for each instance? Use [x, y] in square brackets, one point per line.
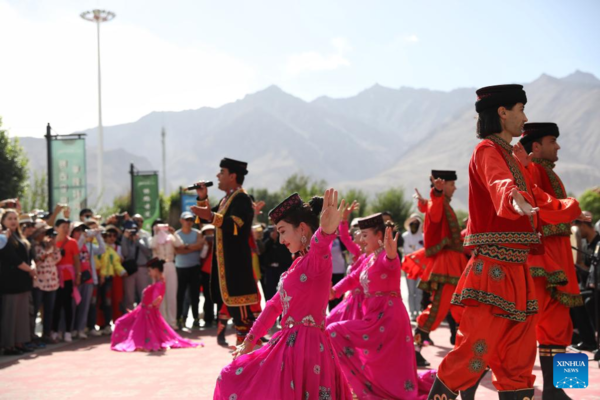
[146, 198]
[69, 185]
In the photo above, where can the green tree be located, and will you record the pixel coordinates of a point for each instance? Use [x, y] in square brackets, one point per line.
[393, 201]
[361, 197]
[14, 166]
[36, 193]
[590, 201]
[120, 204]
[304, 186]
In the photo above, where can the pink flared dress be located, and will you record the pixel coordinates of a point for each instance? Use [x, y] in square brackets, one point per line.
[298, 362]
[144, 328]
[351, 306]
[377, 352]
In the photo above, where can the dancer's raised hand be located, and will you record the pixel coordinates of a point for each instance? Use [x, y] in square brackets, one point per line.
[438, 183]
[348, 210]
[258, 206]
[331, 215]
[521, 154]
[417, 196]
[390, 243]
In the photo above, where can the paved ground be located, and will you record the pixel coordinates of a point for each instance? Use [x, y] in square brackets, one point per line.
[89, 369]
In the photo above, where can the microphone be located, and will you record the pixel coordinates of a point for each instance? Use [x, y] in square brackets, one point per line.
[199, 184]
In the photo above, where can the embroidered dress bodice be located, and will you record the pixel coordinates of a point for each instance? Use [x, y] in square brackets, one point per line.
[379, 276]
[303, 290]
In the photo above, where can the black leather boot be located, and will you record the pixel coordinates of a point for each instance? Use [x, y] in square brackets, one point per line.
[550, 392]
[421, 337]
[453, 328]
[469, 394]
[523, 394]
[221, 327]
[421, 361]
[441, 391]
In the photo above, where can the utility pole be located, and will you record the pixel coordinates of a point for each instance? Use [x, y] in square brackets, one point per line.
[99, 16]
[164, 159]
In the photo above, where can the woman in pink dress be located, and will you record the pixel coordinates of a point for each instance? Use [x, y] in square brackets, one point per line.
[298, 362]
[377, 352]
[351, 306]
[144, 328]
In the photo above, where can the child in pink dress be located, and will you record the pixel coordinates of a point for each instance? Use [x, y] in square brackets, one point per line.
[298, 362]
[377, 352]
[144, 328]
[351, 306]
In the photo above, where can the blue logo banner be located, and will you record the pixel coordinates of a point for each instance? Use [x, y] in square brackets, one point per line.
[571, 371]
[187, 200]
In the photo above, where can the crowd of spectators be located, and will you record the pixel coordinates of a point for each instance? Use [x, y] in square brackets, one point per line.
[63, 279]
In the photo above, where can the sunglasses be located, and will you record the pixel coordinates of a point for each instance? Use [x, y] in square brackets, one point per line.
[28, 225]
[190, 219]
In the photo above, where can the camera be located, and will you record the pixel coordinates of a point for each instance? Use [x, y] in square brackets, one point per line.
[121, 216]
[199, 184]
[50, 232]
[162, 227]
[132, 232]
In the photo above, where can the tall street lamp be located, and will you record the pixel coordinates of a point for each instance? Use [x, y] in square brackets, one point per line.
[99, 16]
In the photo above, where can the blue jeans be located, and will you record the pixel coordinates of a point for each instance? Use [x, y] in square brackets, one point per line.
[45, 299]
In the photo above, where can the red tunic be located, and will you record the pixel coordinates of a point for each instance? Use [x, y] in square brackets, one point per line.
[502, 238]
[443, 245]
[556, 265]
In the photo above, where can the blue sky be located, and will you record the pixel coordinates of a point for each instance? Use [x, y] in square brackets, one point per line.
[176, 55]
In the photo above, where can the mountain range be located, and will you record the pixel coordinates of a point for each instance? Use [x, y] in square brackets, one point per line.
[379, 138]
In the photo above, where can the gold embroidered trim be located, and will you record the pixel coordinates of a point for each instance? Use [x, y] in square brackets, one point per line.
[217, 220]
[502, 253]
[238, 221]
[228, 300]
[490, 238]
[494, 300]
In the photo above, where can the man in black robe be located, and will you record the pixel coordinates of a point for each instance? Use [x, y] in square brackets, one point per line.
[232, 278]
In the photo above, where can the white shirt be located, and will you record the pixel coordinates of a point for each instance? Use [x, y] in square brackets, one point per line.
[412, 242]
[166, 251]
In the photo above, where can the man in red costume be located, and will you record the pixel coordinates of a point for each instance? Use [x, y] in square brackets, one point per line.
[496, 289]
[444, 255]
[554, 271]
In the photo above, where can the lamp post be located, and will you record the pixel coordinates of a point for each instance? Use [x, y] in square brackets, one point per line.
[163, 135]
[99, 16]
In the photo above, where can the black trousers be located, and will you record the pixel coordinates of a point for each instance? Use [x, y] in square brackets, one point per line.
[64, 301]
[209, 305]
[188, 279]
[335, 278]
[242, 316]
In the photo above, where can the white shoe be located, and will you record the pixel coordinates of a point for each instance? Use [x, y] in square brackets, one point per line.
[94, 332]
[54, 336]
[68, 338]
[82, 335]
[107, 330]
